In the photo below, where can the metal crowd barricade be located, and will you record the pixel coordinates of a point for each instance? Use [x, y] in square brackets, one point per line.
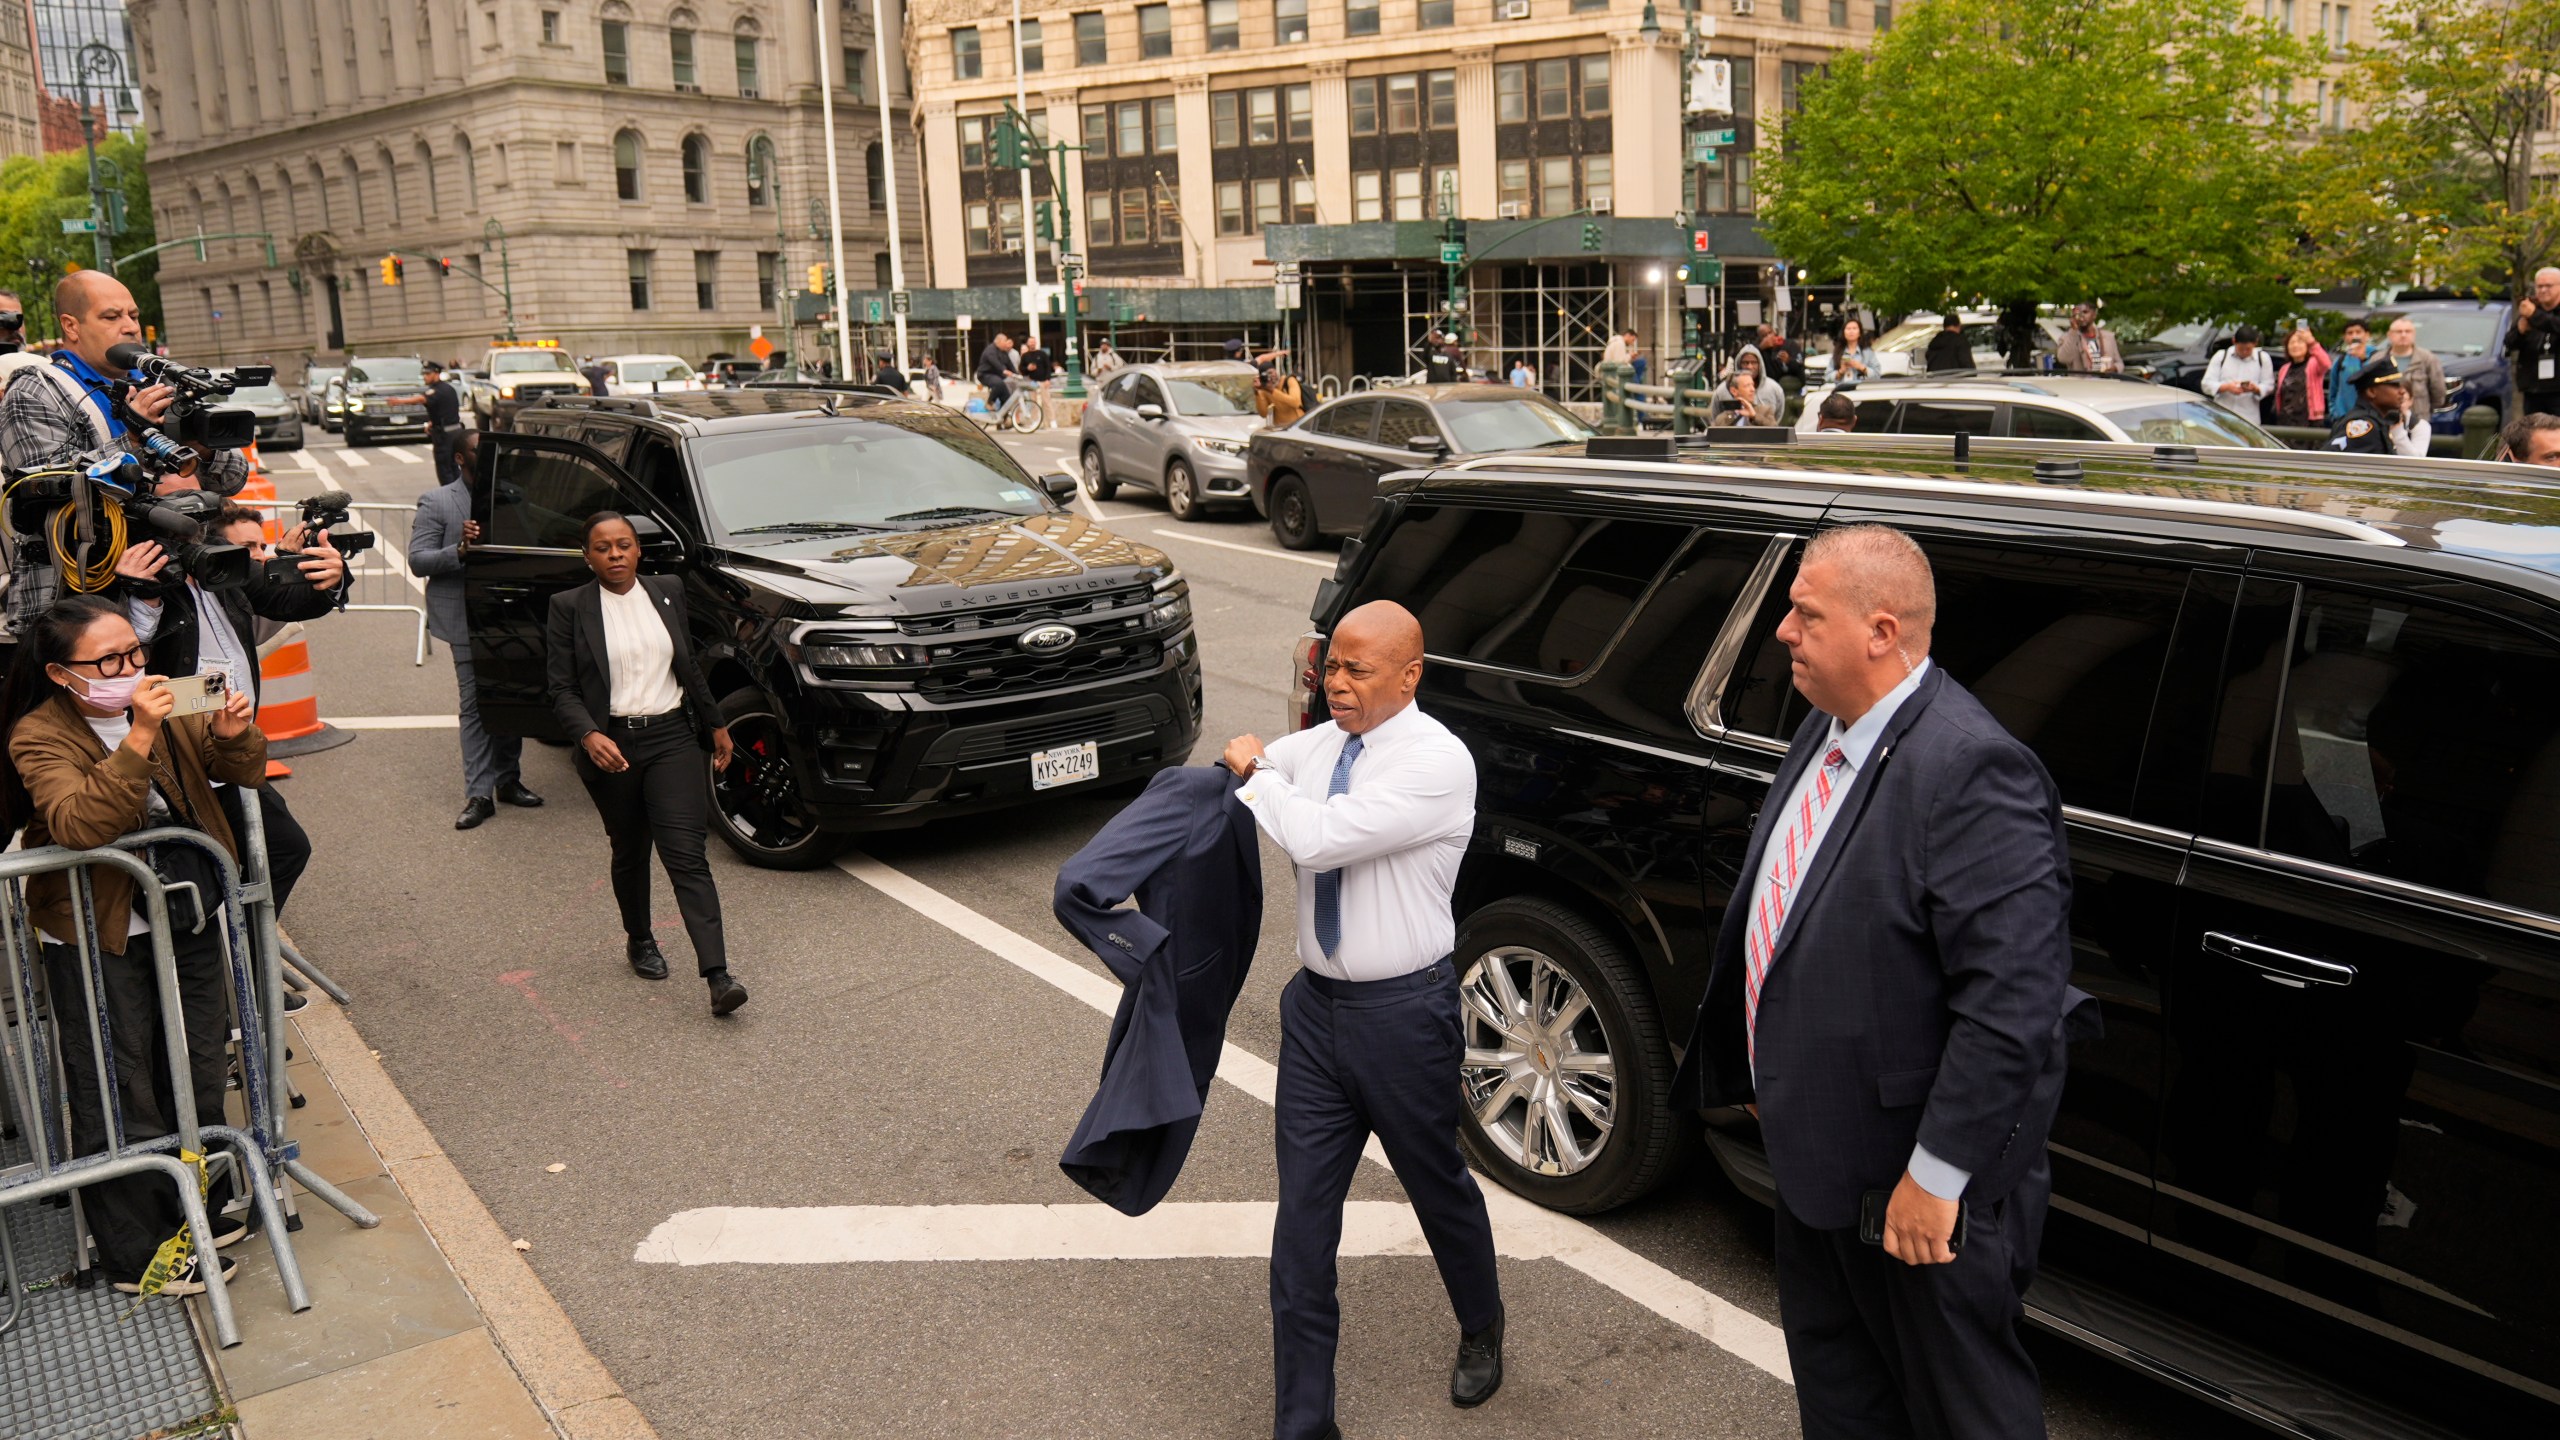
[379, 579]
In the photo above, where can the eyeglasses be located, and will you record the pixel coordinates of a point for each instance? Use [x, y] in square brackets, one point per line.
[124, 662]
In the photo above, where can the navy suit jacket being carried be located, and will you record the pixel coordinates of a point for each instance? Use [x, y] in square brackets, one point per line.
[1188, 851]
[1922, 978]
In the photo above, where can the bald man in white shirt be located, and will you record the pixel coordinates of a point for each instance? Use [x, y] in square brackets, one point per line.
[1375, 808]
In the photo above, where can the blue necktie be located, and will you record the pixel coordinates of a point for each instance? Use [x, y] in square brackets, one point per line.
[1329, 882]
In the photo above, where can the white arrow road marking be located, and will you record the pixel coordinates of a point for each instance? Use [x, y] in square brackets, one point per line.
[1520, 1228]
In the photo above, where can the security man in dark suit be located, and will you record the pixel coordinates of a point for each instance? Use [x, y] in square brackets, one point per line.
[444, 423]
[1888, 994]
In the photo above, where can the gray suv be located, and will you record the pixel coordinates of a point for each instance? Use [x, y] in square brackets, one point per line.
[1179, 430]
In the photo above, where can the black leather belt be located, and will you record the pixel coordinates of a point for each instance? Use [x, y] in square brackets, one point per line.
[641, 722]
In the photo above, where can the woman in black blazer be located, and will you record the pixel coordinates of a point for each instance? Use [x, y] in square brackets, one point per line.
[625, 686]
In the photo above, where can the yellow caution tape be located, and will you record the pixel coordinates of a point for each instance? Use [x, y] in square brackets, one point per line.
[178, 1250]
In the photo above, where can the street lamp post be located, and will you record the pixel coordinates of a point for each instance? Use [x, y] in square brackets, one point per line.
[100, 60]
[497, 233]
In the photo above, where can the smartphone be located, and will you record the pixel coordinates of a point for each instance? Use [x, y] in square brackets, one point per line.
[1871, 1208]
[200, 693]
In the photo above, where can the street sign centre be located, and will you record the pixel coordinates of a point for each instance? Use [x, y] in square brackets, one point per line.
[1453, 254]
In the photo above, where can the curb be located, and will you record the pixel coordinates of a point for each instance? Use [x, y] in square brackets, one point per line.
[571, 1386]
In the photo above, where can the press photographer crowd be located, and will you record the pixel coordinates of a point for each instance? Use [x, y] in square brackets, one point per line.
[139, 591]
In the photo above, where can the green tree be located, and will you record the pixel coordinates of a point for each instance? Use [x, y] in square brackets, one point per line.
[38, 193]
[2435, 178]
[2046, 151]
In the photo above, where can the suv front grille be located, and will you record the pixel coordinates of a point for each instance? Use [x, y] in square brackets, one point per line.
[1004, 617]
[1011, 672]
[1132, 721]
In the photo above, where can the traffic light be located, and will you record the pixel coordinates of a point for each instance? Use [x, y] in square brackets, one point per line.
[390, 269]
[1008, 144]
[1591, 235]
[444, 267]
[1701, 242]
[817, 279]
[1044, 224]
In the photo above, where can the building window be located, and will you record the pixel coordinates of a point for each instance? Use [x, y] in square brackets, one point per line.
[1510, 94]
[1097, 217]
[1404, 103]
[1884, 16]
[1433, 14]
[638, 262]
[857, 69]
[680, 59]
[1597, 192]
[980, 240]
[1408, 186]
[1009, 226]
[1791, 11]
[1155, 31]
[1791, 77]
[1302, 201]
[1223, 128]
[1288, 22]
[875, 177]
[1364, 107]
[1582, 5]
[1365, 190]
[1230, 207]
[966, 63]
[1266, 204]
[1168, 211]
[1133, 127]
[1168, 129]
[973, 144]
[1224, 32]
[1555, 185]
[617, 52]
[1555, 89]
[626, 165]
[760, 176]
[550, 27]
[1133, 217]
[1840, 14]
[1093, 43]
[1262, 115]
[1441, 87]
[1444, 192]
[706, 279]
[1515, 186]
[750, 83]
[1097, 131]
[1301, 105]
[768, 279]
[564, 170]
[1027, 39]
[697, 170]
[1595, 85]
[1360, 17]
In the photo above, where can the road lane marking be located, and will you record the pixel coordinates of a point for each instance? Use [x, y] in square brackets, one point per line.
[1247, 549]
[405, 453]
[396, 722]
[352, 457]
[855, 1234]
[1690, 1306]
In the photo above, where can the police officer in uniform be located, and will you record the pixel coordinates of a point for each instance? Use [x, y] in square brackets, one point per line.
[2373, 426]
[444, 422]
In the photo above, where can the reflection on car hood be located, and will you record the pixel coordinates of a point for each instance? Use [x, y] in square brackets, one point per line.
[960, 567]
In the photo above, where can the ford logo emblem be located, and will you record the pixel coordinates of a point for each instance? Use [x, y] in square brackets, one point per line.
[1047, 639]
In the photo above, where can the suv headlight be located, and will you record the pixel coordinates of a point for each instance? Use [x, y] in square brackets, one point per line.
[848, 652]
[1171, 609]
[1220, 447]
[506, 392]
[355, 402]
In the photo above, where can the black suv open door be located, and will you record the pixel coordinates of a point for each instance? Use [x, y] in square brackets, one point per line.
[535, 494]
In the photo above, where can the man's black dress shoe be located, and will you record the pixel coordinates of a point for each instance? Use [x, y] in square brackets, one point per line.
[1478, 1372]
[726, 994]
[646, 961]
[514, 793]
[475, 812]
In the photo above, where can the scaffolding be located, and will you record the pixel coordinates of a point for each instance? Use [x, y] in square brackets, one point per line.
[1369, 322]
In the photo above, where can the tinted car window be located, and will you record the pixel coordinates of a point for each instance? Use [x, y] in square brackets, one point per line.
[1350, 419]
[1934, 417]
[2415, 741]
[1401, 420]
[1117, 392]
[1526, 591]
[1875, 416]
[1146, 392]
[543, 499]
[1644, 684]
[2190, 422]
[2029, 423]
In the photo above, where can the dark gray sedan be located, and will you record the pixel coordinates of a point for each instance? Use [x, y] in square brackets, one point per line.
[1315, 478]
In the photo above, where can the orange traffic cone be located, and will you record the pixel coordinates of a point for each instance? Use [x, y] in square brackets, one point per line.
[261, 485]
[289, 701]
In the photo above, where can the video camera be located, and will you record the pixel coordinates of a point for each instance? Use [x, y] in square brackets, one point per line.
[326, 513]
[179, 522]
[194, 417]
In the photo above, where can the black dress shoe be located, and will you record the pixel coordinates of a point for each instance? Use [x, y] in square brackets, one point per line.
[1478, 1372]
[646, 961]
[475, 813]
[726, 994]
[514, 793]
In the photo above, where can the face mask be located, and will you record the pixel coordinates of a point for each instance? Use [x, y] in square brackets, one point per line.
[104, 694]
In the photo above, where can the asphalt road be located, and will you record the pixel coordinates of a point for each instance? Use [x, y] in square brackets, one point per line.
[923, 1034]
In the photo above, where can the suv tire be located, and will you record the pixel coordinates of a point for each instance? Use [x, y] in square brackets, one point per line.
[1293, 514]
[755, 804]
[1181, 491]
[1545, 953]
[1095, 477]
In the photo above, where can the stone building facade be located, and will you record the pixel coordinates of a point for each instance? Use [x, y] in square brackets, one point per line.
[21, 81]
[655, 168]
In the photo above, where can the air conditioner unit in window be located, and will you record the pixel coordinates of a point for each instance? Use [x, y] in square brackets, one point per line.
[1509, 210]
[1515, 9]
[1601, 206]
[1744, 7]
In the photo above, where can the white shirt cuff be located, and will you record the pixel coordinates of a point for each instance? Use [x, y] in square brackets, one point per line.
[1937, 1176]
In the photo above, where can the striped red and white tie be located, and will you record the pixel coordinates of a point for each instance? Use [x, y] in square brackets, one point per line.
[1769, 909]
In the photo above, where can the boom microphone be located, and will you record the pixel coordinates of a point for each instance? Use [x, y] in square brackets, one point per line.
[330, 500]
[127, 355]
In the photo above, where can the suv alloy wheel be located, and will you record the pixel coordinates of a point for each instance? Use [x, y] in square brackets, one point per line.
[1181, 491]
[1566, 1078]
[1098, 484]
[755, 803]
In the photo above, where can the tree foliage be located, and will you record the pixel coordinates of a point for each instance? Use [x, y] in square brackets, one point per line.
[2049, 151]
[38, 193]
[2434, 179]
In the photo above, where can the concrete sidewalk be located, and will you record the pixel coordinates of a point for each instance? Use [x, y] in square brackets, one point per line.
[429, 1327]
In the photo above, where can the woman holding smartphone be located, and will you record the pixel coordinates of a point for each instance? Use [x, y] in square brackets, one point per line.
[625, 686]
[97, 751]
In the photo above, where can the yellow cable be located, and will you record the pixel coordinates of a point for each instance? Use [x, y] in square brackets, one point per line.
[87, 580]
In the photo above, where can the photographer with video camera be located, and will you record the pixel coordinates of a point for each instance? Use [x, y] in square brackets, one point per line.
[57, 418]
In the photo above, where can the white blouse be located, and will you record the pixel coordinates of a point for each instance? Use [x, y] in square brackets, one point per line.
[640, 653]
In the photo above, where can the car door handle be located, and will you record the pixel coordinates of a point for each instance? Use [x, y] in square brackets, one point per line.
[2282, 966]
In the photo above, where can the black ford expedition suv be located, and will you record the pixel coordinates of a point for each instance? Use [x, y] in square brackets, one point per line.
[2304, 711]
[902, 623]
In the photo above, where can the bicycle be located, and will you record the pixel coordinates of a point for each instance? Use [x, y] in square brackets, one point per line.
[1022, 412]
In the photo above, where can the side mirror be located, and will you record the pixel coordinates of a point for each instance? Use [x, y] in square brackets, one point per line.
[1150, 411]
[1426, 444]
[1059, 485]
[656, 543]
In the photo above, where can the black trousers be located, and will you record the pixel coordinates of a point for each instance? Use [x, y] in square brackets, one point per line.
[1356, 1058]
[1888, 1351]
[2539, 402]
[661, 800]
[288, 846]
[131, 1215]
[443, 441]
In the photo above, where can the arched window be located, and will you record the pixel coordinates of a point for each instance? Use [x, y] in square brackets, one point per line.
[427, 178]
[320, 188]
[470, 173]
[390, 181]
[355, 190]
[697, 170]
[288, 212]
[875, 184]
[762, 178]
[626, 165]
